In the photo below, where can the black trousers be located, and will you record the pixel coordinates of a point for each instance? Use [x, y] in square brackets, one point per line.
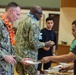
[45, 66]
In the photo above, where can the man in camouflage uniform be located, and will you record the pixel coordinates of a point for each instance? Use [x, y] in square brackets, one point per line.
[7, 55]
[27, 40]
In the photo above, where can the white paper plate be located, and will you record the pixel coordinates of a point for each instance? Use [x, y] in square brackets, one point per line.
[31, 62]
[64, 64]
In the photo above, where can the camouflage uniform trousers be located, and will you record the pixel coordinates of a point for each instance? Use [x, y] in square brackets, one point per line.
[2, 72]
[21, 70]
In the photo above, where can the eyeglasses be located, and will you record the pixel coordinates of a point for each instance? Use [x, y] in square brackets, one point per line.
[38, 12]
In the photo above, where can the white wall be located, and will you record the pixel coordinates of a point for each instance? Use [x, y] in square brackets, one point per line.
[67, 15]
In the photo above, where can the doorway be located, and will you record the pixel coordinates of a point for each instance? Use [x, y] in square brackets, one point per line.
[56, 24]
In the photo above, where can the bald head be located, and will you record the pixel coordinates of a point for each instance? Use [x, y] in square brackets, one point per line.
[36, 11]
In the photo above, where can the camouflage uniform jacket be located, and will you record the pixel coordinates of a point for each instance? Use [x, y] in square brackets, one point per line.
[5, 48]
[27, 38]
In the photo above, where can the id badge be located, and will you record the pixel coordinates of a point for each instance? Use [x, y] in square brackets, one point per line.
[40, 36]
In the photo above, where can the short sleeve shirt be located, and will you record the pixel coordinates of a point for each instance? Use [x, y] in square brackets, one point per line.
[74, 50]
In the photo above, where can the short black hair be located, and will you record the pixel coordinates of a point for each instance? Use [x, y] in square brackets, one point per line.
[49, 18]
[74, 22]
[11, 4]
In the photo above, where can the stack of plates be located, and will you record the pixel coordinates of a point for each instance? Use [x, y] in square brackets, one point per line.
[32, 62]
